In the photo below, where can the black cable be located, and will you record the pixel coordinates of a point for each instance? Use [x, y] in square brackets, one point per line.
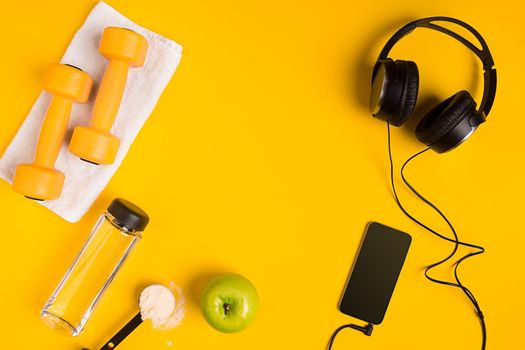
[367, 330]
[332, 338]
[456, 241]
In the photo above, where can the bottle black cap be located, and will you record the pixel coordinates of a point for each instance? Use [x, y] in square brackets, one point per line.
[128, 215]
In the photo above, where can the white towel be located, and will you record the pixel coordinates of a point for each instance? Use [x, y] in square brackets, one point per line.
[85, 181]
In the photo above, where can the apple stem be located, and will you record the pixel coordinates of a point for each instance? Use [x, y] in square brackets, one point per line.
[227, 307]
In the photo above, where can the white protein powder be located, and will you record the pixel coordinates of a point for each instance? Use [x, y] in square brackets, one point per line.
[158, 304]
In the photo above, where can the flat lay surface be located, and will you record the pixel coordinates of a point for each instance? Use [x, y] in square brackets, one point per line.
[261, 158]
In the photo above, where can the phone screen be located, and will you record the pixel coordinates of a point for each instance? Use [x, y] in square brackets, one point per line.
[374, 276]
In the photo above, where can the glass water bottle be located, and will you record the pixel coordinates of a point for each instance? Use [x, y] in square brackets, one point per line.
[111, 240]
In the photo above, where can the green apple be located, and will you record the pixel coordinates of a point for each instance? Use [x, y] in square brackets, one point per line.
[229, 303]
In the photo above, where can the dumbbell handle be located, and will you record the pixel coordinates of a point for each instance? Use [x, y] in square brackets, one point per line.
[109, 95]
[53, 131]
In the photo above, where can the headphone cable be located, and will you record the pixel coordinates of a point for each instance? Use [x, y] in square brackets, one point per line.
[367, 330]
[456, 241]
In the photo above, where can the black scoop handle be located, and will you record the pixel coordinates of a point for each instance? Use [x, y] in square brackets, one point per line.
[123, 333]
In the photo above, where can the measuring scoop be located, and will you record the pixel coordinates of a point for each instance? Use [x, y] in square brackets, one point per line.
[157, 303]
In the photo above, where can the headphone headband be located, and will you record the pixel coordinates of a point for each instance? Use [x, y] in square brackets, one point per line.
[489, 72]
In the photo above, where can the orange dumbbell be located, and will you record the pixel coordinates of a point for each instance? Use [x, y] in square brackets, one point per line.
[123, 48]
[41, 180]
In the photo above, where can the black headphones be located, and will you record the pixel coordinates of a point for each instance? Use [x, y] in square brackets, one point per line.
[395, 87]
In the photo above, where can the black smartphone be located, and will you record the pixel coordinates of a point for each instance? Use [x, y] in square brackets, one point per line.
[375, 273]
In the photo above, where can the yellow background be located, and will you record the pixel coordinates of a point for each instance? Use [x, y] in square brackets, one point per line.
[261, 158]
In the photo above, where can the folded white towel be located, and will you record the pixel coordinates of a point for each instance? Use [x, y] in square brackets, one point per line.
[84, 181]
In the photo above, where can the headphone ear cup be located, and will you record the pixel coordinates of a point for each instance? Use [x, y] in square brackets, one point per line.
[394, 90]
[444, 117]
[409, 75]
